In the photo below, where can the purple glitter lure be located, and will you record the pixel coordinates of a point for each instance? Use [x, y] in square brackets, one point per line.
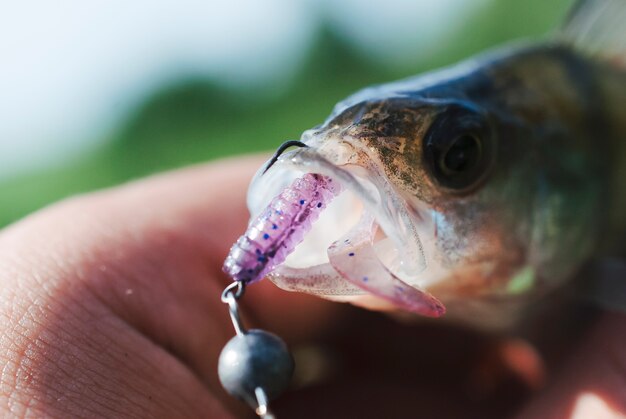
[275, 233]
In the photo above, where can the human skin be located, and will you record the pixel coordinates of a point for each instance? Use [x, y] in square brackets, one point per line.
[109, 307]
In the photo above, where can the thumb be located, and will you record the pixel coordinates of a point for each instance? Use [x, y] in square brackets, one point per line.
[119, 291]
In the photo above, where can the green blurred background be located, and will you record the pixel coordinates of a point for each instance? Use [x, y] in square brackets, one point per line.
[196, 118]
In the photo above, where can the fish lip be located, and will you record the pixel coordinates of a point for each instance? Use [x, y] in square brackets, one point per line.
[355, 170]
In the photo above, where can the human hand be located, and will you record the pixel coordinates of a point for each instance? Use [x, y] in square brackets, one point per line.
[110, 308]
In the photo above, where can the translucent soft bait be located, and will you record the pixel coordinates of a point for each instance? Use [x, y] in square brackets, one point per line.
[275, 233]
[255, 365]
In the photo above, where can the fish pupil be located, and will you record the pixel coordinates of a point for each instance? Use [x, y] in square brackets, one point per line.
[462, 155]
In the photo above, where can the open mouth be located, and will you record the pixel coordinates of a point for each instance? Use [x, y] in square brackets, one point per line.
[365, 241]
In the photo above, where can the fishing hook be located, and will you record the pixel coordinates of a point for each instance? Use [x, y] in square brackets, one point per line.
[283, 147]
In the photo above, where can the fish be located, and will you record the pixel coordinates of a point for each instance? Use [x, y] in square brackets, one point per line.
[475, 191]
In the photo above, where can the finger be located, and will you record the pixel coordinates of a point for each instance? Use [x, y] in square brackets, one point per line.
[150, 253]
[72, 357]
[593, 382]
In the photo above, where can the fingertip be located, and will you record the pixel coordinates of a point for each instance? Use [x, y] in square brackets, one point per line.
[592, 383]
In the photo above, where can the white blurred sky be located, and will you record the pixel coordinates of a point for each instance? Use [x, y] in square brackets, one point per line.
[71, 69]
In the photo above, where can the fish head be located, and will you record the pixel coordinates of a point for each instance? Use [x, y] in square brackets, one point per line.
[436, 199]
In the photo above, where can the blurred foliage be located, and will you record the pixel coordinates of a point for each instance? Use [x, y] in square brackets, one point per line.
[197, 120]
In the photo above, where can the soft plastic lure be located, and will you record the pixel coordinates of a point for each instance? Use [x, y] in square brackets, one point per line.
[354, 260]
[275, 233]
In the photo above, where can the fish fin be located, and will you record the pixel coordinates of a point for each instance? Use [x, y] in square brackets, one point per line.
[605, 284]
[596, 28]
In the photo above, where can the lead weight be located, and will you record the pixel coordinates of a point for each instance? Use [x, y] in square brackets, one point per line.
[255, 359]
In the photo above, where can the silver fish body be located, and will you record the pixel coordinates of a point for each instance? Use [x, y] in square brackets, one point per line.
[482, 187]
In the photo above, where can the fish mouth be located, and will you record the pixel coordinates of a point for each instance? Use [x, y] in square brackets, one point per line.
[366, 242]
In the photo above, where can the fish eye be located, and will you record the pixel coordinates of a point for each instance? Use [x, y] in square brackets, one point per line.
[461, 156]
[457, 149]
